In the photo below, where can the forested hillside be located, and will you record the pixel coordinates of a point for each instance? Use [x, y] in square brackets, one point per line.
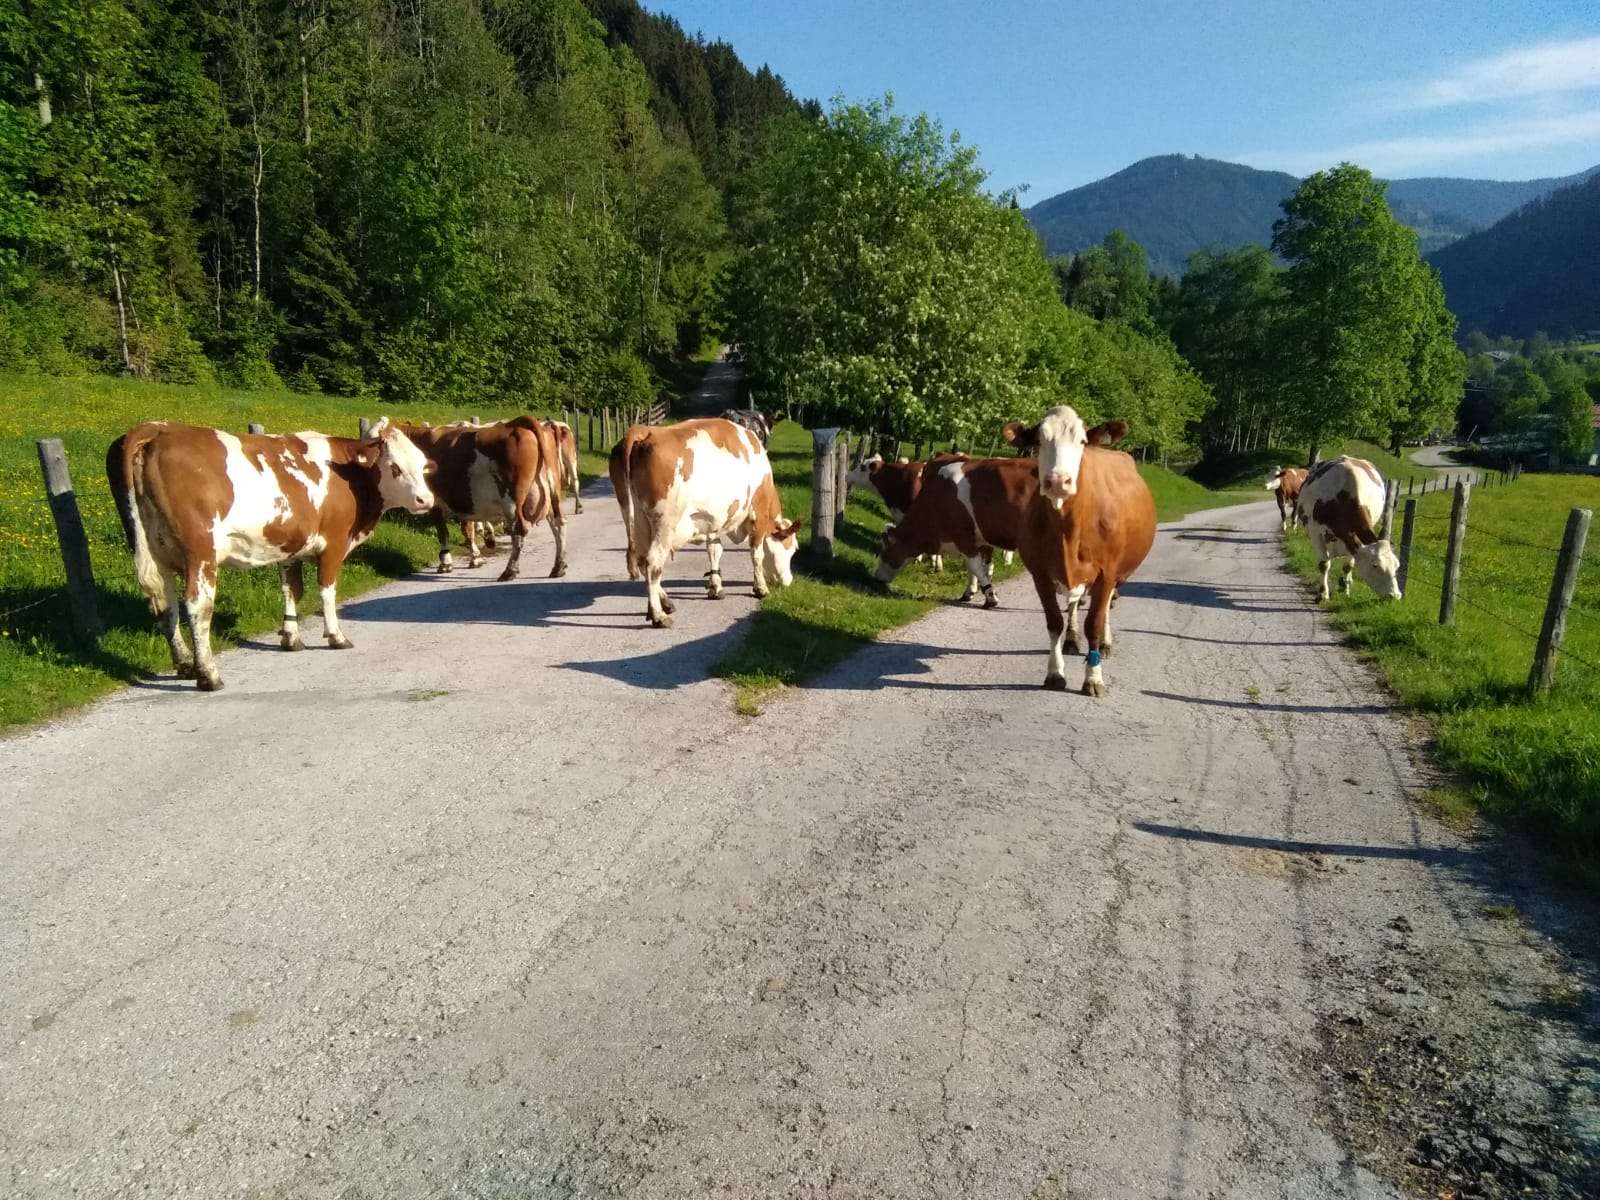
[1534, 271]
[461, 198]
[1176, 204]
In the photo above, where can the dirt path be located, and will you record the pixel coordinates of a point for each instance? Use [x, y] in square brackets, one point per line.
[507, 902]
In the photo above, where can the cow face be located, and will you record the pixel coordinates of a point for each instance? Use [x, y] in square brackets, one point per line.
[1379, 566]
[1273, 478]
[780, 547]
[1059, 440]
[862, 476]
[892, 555]
[403, 470]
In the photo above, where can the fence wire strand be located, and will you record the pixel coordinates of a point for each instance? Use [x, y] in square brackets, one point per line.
[6, 616]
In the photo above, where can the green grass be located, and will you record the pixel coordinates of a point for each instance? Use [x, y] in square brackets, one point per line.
[832, 608]
[1535, 762]
[43, 669]
[1249, 468]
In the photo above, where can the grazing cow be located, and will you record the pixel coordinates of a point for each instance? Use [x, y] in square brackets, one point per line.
[1341, 506]
[699, 480]
[193, 500]
[1089, 525]
[1286, 482]
[897, 483]
[974, 505]
[753, 419]
[489, 473]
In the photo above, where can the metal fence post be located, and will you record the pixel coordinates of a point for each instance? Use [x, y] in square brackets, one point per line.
[69, 533]
[1407, 529]
[1562, 586]
[824, 478]
[1452, 561]
[257, 427]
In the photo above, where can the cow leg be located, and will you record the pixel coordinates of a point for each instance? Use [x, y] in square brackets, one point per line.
[1010, 556]
[758, 566]
[293, 582]
[936, 561]
[1069, 643]
[490, 541]
[441, 527]
[517, 530]
[1322, 590]
[714, 575]
[1347, 576]
[328, 568]
[1055, 678]
[469, 534]
[1094, 627]
[200, 594]
[978, 577]
[172, 619]
[655, 596]
[1105, 636]
[558, 527]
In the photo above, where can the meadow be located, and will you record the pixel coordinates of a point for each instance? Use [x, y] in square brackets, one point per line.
[1249, 468]
[1534, 761]
[833, 606]
[43, 666]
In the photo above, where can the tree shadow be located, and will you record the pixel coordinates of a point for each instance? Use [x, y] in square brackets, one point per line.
[1445, 857]
[1268, 706]
[1201, 595]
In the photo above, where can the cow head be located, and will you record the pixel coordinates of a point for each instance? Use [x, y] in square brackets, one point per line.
[1274, 476]
[780, 546]
[1379, 566]
[1059, 439]
[402, 470]
[893, 553]
[861, 476]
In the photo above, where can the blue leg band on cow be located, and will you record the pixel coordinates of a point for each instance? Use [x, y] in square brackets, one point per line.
[1094, 658]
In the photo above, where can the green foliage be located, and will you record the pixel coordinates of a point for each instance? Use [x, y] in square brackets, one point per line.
[1536, 762]
[1110, 282]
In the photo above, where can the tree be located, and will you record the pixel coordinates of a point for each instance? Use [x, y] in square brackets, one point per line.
[1110, 282]
[1352, 301]
[1435, 369]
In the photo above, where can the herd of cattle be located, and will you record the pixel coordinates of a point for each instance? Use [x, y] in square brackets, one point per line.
[193, 500]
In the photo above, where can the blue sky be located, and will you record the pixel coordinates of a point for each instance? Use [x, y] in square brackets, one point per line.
[1058, 94]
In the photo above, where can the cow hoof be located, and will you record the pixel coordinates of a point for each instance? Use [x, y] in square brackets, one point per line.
[664, 621]
[340, 643]
[209, 683]
[475, 561]
[667, 606]
[717, 595]
[966, 597]
[290, 641]
[762, 593]
[991, 601]
[1093, 689]
[557, 571]
[507, 575]
[444, 568]
[1105, 649]
[185, 670]
[1055, 683]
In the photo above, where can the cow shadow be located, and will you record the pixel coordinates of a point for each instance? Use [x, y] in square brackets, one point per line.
[1208, 595]
[1231, 537]
[455, 600]
[1269, 706]
[677, 664]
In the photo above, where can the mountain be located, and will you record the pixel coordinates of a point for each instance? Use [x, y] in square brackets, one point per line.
[1174, 204]
[1532, 270]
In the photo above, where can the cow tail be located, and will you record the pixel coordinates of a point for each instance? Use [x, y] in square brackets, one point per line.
[638, 539]
[124, 471]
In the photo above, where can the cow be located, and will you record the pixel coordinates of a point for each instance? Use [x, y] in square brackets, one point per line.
[487, 473]
[897, 484]
[753, 419]
[1341, 506]
[1089, 525]
[568, 446]
[1286, 482]
[699, 480]
[975, 505]
[193, 500]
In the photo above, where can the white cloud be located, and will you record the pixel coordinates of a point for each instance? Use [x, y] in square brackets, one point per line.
[1542, 69]
[1416, 152]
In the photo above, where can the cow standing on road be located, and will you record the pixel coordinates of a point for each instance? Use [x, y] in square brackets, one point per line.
[193, 500]
[1090, 525]
[699, 480]
[1286, 483]
[1341, 506]
[897, 484]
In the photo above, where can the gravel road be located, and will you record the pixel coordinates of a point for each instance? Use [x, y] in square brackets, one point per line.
[508, 902]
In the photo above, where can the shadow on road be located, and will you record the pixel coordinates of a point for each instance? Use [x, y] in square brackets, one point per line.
[1446, 857]
[1204, 595]
[1266, 706]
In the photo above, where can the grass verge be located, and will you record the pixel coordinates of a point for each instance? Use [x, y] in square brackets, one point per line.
[43, 667]
[1531, 762]
[1249, 468]
[832, 608]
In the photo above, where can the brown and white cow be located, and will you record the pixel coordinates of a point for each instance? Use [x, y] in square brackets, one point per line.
[193, 500]
[897, 484]
[500, 472]
[753, 419]
[1286, 482]
[1341, 506]
[699, 480]
[972, 505]
[1090, 525]
[568, 446]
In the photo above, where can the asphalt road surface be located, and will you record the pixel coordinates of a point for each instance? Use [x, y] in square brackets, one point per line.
[508, 902]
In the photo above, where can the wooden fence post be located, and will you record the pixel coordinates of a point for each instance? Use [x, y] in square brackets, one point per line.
[824, 480]
[1452, 559]
[257, 427]
[1407, 528]
[841, 487]
[1391, 496]
[363, 427]
[69, 533]
[473, 420]
[1564, 583]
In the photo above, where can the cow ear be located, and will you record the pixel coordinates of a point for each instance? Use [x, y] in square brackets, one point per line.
[1108, 434]
[366, 454]
[378, 429]
[1023, 437]
[786, 531]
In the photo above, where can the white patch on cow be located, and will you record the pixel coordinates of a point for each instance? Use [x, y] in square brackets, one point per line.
[1061, 442]
[861, 476]
[330, 617]
[1376, 562]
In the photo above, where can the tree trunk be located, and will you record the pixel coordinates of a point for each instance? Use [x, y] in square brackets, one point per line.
[122, 313]
[44, 100]
[255, 200]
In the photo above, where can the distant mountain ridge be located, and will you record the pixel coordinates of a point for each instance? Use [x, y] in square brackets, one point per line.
[1175, 204]
[1533, 270]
